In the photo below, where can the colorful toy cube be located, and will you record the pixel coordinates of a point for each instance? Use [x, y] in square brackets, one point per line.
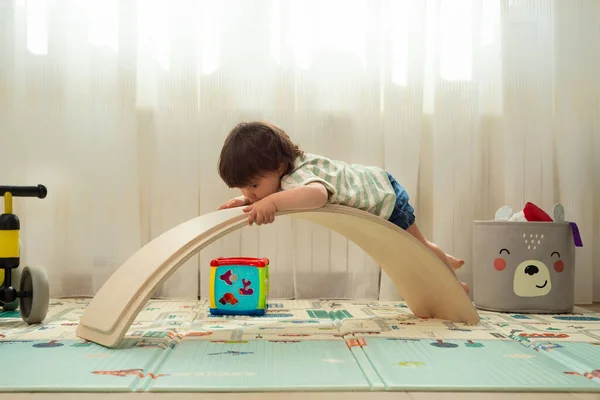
[239, 286]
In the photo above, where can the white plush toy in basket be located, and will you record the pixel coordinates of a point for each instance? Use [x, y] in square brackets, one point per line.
[525, 262]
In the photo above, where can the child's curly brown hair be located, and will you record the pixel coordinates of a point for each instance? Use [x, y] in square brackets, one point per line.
[253, 148]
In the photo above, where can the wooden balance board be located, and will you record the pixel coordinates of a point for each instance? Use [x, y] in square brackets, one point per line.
[428, 287]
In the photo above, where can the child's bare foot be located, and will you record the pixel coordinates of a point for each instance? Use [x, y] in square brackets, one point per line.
[465, 287]
[455, 262]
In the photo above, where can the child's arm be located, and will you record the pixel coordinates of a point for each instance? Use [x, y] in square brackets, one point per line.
[313, 195]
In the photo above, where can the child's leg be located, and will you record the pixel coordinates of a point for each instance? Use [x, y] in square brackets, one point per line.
[414, 230]
[450, 261]
[404, 217]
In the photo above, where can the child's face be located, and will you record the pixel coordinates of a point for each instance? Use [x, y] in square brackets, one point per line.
[263, 186]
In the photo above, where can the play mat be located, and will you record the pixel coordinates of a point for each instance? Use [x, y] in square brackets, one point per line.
[300, 345]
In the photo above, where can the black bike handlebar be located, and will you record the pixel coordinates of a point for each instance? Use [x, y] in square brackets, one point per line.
[38, 191]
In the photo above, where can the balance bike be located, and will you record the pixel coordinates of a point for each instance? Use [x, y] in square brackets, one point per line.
[33, 293]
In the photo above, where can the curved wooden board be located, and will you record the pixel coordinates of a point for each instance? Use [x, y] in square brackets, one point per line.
[428, 287]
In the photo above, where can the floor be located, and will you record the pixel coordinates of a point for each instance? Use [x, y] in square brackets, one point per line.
[317, 395]
[502, 396]
[592, 307]
[304, 396]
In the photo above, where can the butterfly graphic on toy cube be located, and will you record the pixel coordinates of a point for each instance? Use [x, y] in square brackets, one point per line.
[239, 286]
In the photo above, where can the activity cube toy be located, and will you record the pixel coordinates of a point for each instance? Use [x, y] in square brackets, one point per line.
[239, 286]
[524, 267]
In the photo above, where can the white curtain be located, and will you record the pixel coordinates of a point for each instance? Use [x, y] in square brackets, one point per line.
[120, 108]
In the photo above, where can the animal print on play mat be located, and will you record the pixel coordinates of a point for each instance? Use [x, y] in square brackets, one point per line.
[303, 345]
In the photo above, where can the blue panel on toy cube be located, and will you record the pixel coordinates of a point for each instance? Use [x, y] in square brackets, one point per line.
[239, 286]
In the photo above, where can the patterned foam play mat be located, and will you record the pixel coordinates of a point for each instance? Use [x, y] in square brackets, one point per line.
[303, 345]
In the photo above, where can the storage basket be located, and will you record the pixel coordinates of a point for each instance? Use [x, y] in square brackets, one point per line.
[523, 267]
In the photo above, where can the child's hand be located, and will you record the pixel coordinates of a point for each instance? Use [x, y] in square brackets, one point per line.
[235, 202]
[261, 212]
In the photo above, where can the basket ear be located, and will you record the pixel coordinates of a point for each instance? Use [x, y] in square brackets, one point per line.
[559, 213]
[503, 213]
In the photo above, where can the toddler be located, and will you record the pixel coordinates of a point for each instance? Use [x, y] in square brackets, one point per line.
[274, 174]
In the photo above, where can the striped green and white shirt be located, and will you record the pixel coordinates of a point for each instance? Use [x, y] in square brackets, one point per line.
[367, 188]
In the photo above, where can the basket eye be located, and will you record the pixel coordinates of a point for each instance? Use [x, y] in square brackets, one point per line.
[505, 250]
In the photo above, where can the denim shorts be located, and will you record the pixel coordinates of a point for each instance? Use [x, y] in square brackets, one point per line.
[403, 214]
